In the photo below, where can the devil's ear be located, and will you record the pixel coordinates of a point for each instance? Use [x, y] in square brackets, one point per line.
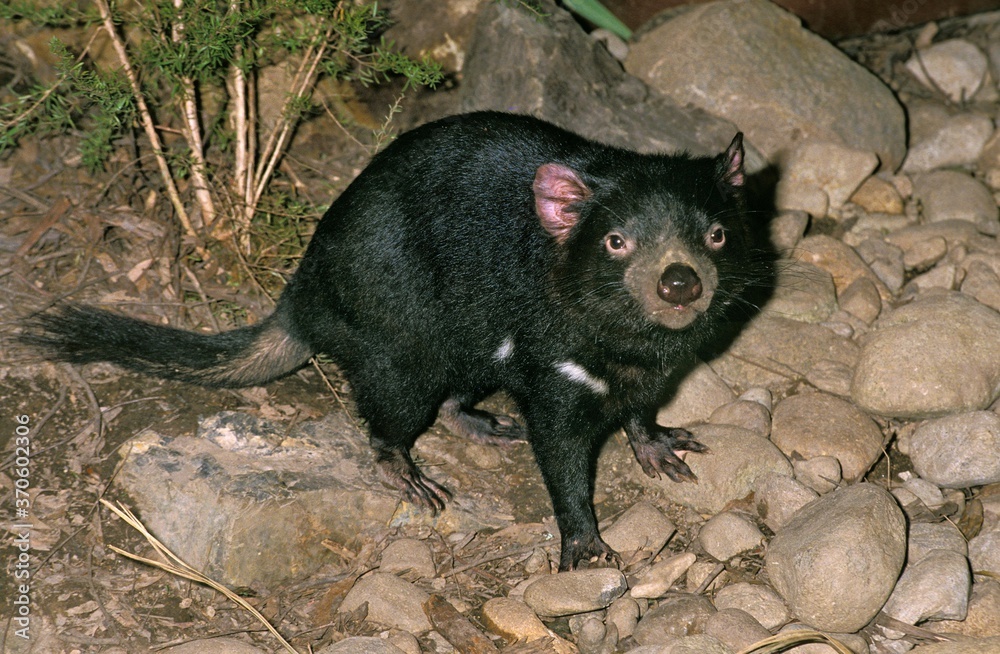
[731, 164]
[558, 192]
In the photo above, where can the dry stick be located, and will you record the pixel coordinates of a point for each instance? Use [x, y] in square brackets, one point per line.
[176, 566]
[148, 126]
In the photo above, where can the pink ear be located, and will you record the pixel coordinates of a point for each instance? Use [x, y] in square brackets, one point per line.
[557, 189]
[734, 174]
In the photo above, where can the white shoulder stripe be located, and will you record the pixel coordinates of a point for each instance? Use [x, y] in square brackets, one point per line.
[505, 350]
[575, 372]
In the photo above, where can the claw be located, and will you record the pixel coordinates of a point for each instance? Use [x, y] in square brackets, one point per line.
[659, 451]
[398, 470]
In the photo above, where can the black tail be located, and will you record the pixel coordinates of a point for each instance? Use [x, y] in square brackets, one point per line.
[249, 356]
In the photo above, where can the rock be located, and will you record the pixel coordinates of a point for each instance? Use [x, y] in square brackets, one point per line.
[820, 473]
[840, 260]
[700, 392]
[982, 283]
[786, 230]
[977, 646]
[954, 232]
[677, 615]
[759, 601]
[231, 488]
[661, 576]
[836, 562]
[955, 67]
[956, 451]
[624, 614]
[924, 254]
[516, 622]
[777, 81]
[440, 31]
[809, 425]
[360, 645]
[392, 602]
[829, 171]
[875, 195]
[216, 646]
[982, 618]
[829, 376]
[926, 537]
[925, 359]
[410, 557]
[952, 195]
[862, 300]
[551, 69]
[779, 497]
[885, 260]
[984, 553]
[736, 629]
[752, 416]
[577, 591]
[940, 139]
[737, 458]
[642, 528]
[774, 351]
[803, 292]
[728, 534]
[934, 588]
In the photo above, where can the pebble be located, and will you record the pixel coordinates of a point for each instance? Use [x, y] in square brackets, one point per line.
[934, 588]
[677, 615]
[750, 415]
[699, 393]
[924, 254]
[809, 425]
[761, 602]
[876, 195]
[576, 591]
[819, 177]
[661, 576]
[840, 260]
[954, 195]
[514, 621]
[923, 359]
[735, 628]
[729, 534]
[926, 537]
[983, 616]
[982, 283]
[408, 557]
[803, 292]
[594, 637]
[955, 67]
[861, 299]
[779, 497]
[641, 528]
[820, 473]
[940, 139]
[956, 451]
[738, 457]
[786, 230]
[360, 645]
[836, 562]
[624, 614]
[885, 261]
[984, 552]
[392, 601]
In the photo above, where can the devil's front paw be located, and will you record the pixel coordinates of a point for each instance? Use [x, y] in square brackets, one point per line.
[586, 549]
[658, 451]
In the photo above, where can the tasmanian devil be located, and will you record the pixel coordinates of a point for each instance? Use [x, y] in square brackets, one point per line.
[488, 252]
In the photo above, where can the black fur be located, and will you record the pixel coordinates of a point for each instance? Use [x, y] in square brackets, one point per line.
[485, 252]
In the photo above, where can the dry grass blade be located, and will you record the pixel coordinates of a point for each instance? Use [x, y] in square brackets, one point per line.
[781, 642]
[175, 566]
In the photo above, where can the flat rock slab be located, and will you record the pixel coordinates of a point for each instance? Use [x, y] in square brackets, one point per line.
[248, 501]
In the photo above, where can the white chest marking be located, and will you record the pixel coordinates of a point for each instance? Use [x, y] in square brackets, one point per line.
[575, 372]
[505, 350]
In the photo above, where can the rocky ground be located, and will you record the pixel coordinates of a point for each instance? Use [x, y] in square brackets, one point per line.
[853, 486]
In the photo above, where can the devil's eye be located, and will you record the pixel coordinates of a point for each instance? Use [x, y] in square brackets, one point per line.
[615, 243]
[716, 237]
